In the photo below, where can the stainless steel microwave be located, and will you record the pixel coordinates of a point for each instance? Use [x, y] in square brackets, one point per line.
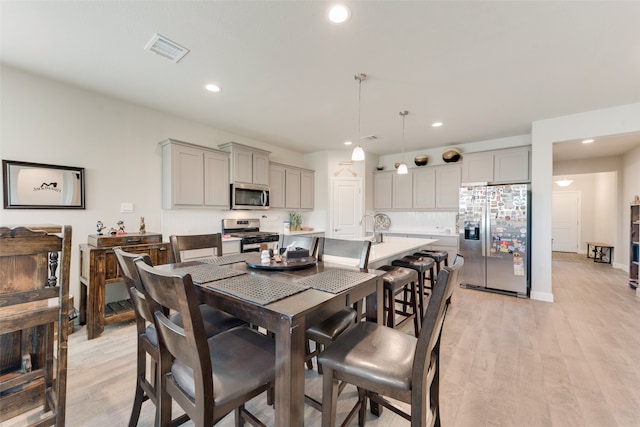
[248, 196]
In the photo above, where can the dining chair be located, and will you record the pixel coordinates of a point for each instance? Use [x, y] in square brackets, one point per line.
[215, 321]
[195, 242]
[387, 363]
[328, 330]
[305, 242]
[207, 377]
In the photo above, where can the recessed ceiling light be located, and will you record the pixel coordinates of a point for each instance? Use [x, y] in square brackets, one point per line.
[347, 143]
[212, 88]
[339, 14]
[587, 141]
[436, 124]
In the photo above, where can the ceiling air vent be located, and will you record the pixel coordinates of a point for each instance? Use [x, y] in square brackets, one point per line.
[164, 47]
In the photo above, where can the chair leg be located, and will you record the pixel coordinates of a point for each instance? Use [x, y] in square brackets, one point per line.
[308, 351]
[362, 414]
[239, 420]
[329, 398]
[416, 312]
[139, 395]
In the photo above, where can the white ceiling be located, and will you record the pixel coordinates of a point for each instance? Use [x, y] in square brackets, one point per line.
[486, 69]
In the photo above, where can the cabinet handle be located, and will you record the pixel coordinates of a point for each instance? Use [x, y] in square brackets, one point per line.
[133, 240]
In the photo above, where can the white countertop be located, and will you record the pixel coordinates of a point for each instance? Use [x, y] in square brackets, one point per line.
[303, 232]
[393, 247]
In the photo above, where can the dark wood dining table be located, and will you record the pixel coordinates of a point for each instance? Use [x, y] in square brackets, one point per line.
[287, 317]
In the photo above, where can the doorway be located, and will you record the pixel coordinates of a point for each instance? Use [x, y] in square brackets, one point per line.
[565, 221]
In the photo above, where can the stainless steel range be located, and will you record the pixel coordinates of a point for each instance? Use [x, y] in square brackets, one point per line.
[248, 230]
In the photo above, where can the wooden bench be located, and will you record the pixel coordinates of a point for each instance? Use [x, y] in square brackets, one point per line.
[602, 252]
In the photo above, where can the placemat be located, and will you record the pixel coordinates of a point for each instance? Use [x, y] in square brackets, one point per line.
[227, 259]
[335, 281]
[205, 273]
[257, 289]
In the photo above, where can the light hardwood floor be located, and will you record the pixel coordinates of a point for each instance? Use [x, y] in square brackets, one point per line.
[506, 361]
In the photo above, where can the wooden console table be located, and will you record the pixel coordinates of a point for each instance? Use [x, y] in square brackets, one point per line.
[98, 268]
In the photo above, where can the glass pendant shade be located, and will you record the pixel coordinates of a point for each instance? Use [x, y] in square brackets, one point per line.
[402, 169]
[358, 154]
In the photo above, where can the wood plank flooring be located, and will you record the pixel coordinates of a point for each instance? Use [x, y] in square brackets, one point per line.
[506, 361]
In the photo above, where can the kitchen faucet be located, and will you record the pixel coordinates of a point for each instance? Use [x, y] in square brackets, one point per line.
[377, 236]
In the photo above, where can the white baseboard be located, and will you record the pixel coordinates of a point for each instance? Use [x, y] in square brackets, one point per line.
[542, 296]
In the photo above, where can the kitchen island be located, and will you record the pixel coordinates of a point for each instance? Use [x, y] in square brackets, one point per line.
[391, 248]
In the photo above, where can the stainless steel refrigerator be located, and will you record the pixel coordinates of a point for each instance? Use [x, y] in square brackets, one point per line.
[494, 229]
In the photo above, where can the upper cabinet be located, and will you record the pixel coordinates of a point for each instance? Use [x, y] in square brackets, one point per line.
[291, 187]
[248, 165]
[194, 176]
[423, 188]
[511, 165]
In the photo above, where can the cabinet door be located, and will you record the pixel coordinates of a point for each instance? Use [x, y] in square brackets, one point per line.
[307, 184]
[511, 166]
[243, 165]
[382, 190]
[447, 186]
[216, 179]
[477, 167]
[402, 191]
[260, 163]
[187, 173]
[424, 188]
[277, 184]
[292, 189]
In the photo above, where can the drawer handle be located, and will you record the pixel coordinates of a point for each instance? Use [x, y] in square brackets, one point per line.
[162, 249]
[133, 240]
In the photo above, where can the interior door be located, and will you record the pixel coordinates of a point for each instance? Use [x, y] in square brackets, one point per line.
[346, 208]
[565, 221]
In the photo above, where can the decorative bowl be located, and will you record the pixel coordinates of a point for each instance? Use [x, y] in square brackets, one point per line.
[421, 160]
[396, 165]
[380, 167]
[451, 156]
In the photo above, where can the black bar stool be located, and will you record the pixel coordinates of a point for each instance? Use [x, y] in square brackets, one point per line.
[421, 265]
[439, 257]
[397, 280]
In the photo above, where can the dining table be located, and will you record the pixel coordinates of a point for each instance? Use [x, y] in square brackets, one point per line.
[284, 298]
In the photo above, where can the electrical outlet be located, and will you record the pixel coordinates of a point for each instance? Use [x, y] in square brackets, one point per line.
[126, 207]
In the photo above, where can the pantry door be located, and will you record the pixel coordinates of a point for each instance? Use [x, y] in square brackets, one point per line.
[346, 208]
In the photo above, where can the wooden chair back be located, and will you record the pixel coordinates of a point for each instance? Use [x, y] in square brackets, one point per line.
[34, 300]
[305, 242]
[187, 343]
[126, 263]
[355, 249]
[193, 242]
[426, 365]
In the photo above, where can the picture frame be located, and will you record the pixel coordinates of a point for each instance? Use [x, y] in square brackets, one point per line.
[29, 185]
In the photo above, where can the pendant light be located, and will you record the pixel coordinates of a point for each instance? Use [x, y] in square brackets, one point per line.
[564, 182]
[358, 153]
[402, 169]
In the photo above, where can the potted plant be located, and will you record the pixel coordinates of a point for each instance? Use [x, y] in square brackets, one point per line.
[295, 219]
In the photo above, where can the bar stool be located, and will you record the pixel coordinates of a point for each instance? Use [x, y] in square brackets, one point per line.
[438, 256]
[397, 280]
[421, 265]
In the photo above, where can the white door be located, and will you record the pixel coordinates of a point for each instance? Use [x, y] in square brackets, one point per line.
[566, 218]
[346, 208]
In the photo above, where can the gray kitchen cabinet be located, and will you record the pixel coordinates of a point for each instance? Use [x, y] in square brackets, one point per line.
[448, 179]
[511, 165]
[277, 184]
[291, 187]
[424, 188]
[249, 165]
[382, 190]
[194, 176]
[402, 191]
[230, 246]
[307, 188]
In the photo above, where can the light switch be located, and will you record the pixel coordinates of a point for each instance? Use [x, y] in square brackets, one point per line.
[126, 207]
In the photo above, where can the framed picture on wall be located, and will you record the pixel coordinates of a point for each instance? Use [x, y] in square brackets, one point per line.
[42, 186]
